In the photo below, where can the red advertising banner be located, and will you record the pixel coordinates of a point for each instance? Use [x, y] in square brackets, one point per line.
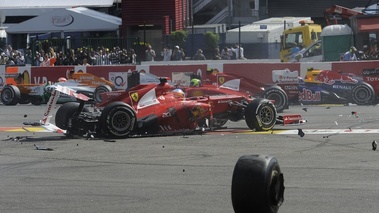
[261, 72]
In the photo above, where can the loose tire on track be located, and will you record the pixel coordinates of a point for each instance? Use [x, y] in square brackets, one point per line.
[279, 96]
[257, 185]
[118, 119]
[260, 115]
[363, 94]
[65, 112]
[10, 95]
[99, 90]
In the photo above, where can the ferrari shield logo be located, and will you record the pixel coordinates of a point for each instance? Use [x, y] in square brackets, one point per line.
[135, 96]
[221, 80]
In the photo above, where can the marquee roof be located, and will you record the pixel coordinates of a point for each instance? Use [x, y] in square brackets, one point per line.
[79, 19]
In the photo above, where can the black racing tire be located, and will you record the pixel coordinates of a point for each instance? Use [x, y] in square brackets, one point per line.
[260, 115]
[118, 120]
[279, 96]
[99, 90]
[65, 112]
[363, 94]
[10, 95]
[257, 185]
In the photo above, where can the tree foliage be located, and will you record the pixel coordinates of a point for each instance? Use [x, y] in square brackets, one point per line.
[212, 40]
[178, 38]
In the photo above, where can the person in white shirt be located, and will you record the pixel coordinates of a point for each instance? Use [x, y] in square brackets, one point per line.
[238, 51]
[166, 53]
[150, 53]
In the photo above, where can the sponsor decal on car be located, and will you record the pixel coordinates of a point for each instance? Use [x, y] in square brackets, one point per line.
[197, 93]
[344, 87]
[285, 76]
[308, 95]
[134, 96]
[330, 77]
[290, 87]
[221, 80]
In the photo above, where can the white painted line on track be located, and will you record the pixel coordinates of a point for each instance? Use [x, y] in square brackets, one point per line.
[327, 131]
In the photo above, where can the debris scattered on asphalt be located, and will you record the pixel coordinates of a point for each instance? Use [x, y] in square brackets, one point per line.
[374, 145]
[43, 148]
[336, 123]
[305, 109]
[25, 115]
[328, 107]
[300, 133]
[17, 138]
[109, 140]
[354, 113]
[89, 136]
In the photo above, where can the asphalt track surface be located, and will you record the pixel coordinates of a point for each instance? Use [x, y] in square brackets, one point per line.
[331, 169]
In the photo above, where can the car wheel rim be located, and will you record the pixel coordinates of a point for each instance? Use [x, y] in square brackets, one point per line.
[121, 121]
[266, 115]
[362, 94]
[7, 95]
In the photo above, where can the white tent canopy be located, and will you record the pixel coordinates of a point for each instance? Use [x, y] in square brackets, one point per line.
[79, 19]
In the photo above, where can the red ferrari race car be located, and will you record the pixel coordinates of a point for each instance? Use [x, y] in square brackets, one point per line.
[157, 109]
[229, 83]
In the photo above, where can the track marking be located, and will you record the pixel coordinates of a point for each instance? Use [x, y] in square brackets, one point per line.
[235, 131]
[318, 131]
[22, 129]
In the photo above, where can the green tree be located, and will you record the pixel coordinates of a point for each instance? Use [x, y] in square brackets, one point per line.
[212, 41]
[179, 38]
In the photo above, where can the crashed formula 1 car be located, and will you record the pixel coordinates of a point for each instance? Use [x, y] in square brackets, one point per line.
[157, 109]
[83, 83]
[330, 87]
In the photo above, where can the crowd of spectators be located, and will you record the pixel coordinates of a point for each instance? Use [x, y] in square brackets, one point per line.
[78, 56]
[102, 56]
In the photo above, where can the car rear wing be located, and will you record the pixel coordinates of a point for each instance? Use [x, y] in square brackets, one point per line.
[45, 122]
